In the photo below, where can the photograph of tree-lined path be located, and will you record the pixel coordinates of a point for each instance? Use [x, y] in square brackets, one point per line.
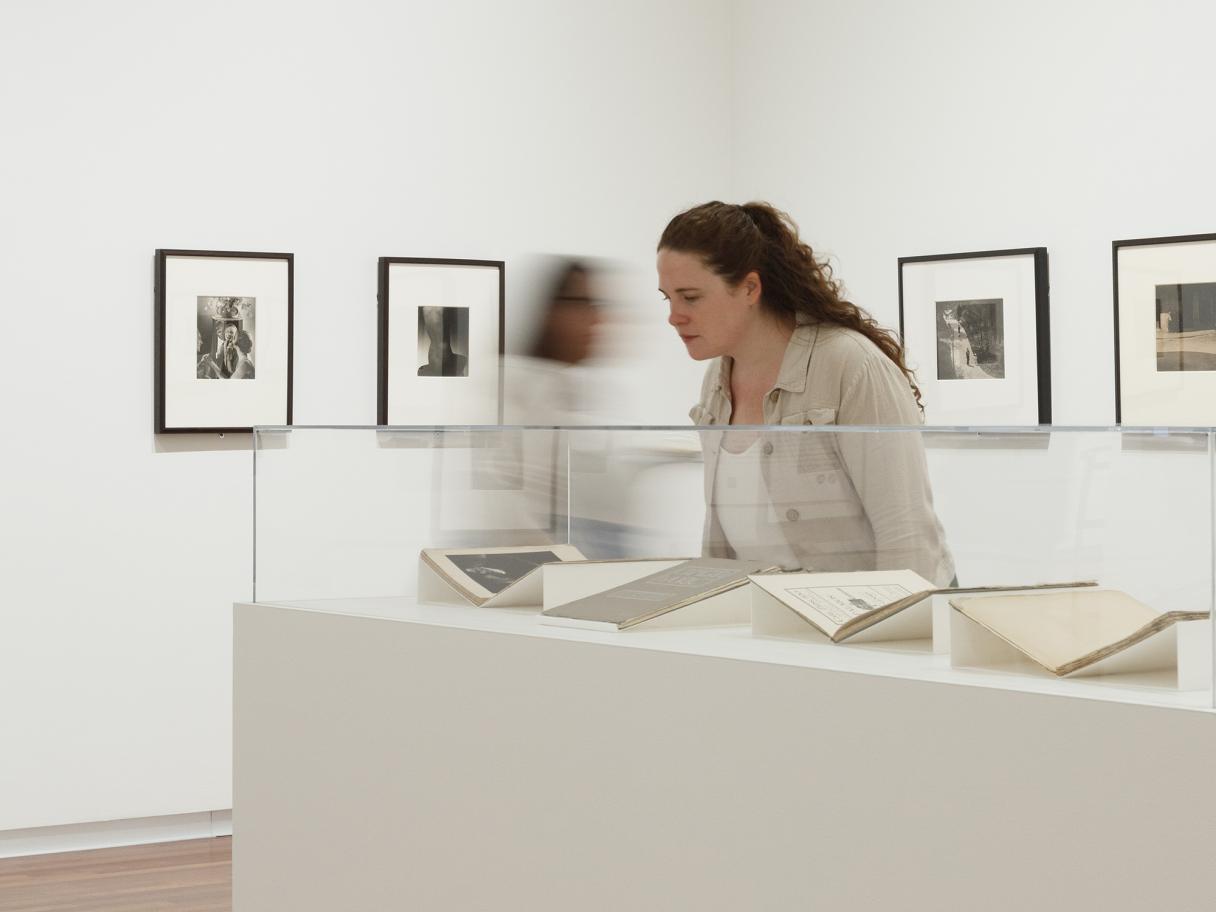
[970, 340]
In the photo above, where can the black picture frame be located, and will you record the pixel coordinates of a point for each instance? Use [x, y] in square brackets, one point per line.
[1041, 366]
[1120, 338]
[161, 295]
[385, 370]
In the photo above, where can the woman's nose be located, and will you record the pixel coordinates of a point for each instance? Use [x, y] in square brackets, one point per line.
[675, 318]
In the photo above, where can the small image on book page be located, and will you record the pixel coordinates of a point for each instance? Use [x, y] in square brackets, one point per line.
[841, 604]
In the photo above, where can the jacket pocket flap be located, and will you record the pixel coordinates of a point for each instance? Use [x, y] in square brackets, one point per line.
[812, 416]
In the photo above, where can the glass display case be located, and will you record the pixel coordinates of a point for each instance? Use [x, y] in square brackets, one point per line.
[341, 516]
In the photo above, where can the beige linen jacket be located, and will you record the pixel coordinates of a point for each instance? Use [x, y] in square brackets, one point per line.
[842, 499]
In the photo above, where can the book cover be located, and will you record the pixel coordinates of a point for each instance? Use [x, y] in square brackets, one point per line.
[654, 595]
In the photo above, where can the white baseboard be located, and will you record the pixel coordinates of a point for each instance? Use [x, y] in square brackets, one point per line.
[221, 823]
[109, 833]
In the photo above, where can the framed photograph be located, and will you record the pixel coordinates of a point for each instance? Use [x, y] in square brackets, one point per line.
[1165, 331]
[976, 331]
[223, 340]
[440, 345]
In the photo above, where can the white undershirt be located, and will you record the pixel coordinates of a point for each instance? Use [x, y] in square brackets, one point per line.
[744, 509]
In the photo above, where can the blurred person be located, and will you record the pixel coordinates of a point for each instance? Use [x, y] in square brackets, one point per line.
[551, 383]
[784, 347]
[543, 385]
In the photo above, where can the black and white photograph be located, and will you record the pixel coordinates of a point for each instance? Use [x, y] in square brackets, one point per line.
[970, 340]
[1165, 330]
[980, 315]
[222, 315]
[225, 337]
[497, 570]
[1185, 326]
[443, 341]
[440, 342]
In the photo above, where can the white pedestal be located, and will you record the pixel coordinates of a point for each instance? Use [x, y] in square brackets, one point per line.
[396, 756]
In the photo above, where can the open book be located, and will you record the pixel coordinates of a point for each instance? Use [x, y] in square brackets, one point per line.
[492, 575]
[1067, 631]
[840, 605]
[643, 599]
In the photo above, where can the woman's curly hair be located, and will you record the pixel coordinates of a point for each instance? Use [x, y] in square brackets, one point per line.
[756, 237]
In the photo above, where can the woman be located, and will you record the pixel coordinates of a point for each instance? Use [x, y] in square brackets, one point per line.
[544, 386]
[550, 383]
[786, 349]
[244, 364]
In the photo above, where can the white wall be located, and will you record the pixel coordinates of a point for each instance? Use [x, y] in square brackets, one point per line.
[343, 132]
[893, 129]
[340, 132]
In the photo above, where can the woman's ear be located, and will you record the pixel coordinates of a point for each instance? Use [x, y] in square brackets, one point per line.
[751, 288]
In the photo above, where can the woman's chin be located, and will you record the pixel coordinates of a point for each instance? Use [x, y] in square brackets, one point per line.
[699, 351]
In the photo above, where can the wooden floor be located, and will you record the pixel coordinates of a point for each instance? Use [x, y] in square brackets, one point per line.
[191, 876]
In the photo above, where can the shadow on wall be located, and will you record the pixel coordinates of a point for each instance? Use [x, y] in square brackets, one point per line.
[203, 443]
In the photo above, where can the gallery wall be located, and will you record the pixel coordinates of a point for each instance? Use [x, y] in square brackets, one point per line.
[346, 132]
[339, 132]
[897, 129]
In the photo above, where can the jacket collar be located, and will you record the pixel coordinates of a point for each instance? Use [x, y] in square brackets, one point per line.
[795, 365]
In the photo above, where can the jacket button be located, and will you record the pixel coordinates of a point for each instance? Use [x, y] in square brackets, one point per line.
[772, 396]
[791, 514]
[768, 449]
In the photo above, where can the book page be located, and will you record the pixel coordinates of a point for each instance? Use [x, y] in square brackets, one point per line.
[832, 607]
[1059, 628]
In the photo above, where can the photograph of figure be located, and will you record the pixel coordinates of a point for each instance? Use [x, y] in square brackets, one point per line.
[225, 338]
[970, 340]
[443, 341]
[496, 571]
[1185, 326]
